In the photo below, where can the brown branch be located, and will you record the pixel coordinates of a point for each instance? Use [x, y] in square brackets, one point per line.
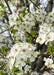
[6, 1]
[37, 4]
[49, 6]
[7, 29]
[42, 54]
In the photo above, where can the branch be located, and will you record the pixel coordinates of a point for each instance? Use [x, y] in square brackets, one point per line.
[49, 6]
[43, 54]
[7, 29]
[37, 4]
[6, 1]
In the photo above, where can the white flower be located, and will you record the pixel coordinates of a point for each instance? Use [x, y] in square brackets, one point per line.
[40, 14]
[48, 62]
[41, 38]
[49, 37]
[50, 17]
[45, 28]
[12, 19]
[20, 61]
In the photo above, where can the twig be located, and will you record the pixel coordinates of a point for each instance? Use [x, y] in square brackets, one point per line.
[35, 4]
[6, 1]
[44, 54]
[7, 29]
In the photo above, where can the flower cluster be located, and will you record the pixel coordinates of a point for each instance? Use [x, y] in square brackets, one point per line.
[20, 54]
[46, 32]
[22, 23]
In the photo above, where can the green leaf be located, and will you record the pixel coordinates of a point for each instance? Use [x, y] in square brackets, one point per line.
[13, 30]
[17, 19]
[3, 50]
[2, 5]
[32, 27]
[51, 48]
[14, 69]
[33, 32]
[30, 39]
[47, 13]
[28, 62]
[40, 22]
[18, 72]
[4, 73]
[1, 71]
[14, 40]
[24, 12]
[26, 35]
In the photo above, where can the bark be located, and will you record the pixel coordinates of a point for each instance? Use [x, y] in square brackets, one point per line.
[49, 6]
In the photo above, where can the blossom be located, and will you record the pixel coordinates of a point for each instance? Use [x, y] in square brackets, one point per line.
[41, 38]
[49, 62]
[12, 19]
[50, 17]
[45, 28]
[40, 14]
[49, 37]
